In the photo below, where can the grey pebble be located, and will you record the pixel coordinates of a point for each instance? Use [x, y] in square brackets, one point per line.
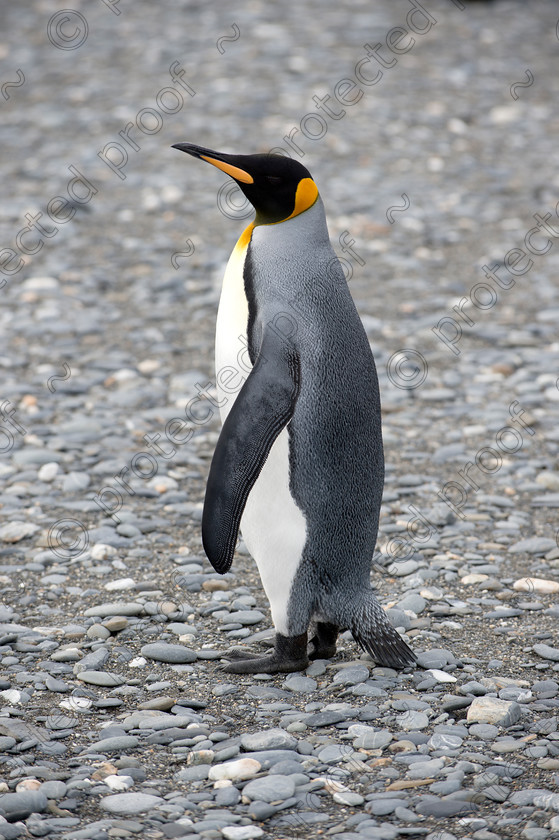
[244, 617]
[435, 658]
[328, 718]
[431, 806]
[443, 741]
[414, 602]
[547, 652]
[382, 807]
[53, 789]
[222, 689]
[369, 739]
[18, 806]
[532, 545]
[412, 720]
[352, 675]
[115, 608]
[130, 803]
[92, 661]
[268, 758]
[115, 744]
[334, 753]
[101, 678]
[173, 654]
[270, 789]
[486, 731]
[271, 739]
[196, 773]
[58, 686]
[403, 568]
[299, 684]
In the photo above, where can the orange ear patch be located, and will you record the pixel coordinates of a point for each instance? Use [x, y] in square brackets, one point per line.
[305, 197]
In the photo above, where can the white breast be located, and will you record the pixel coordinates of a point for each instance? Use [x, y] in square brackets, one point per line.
[231, 332]
[273, 526]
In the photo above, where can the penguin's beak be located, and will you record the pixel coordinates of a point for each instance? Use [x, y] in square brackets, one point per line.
[221, 161]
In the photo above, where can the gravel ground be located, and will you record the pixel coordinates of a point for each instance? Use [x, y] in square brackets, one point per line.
[437, 161]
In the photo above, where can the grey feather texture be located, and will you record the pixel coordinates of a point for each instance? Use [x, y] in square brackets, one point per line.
[296, 287]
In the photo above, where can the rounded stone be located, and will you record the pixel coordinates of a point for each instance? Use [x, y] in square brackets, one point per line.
[116, 623]
[118, 608]
[443, 741]
[371, 740]
[435, 658]
[485, 731]
[353, 675]
[547, 652]
[412, 720]
[242, 832]
[18, 806]
[116, 744]
[269, 739]
[53, 789]
[244, 768]
[102, 678]
[269, 789]
[172, 654]
[130, 803]
[348, 797]
[244, 617]
[299, 684]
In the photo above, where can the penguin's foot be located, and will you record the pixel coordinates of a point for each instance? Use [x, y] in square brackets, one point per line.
[240, 653]
[323, 643]
[289, 654]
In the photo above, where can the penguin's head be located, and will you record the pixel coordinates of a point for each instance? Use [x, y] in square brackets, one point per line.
[277, 187]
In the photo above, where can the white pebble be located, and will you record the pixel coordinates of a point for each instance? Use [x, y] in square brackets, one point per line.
[536, 585]
[244, 768]
[241, 832]
[119, 782]
[121, 583]
[11, 695]
[100, 551]
[441, 676]
[48, 471]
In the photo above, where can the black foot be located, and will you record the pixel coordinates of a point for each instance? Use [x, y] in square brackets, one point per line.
[289, 654]
[323, 643]
[241, 653]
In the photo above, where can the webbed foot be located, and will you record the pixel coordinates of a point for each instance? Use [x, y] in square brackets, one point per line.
[289, 654]
[323, 643]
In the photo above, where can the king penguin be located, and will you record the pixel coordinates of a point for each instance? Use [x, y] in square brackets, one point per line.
[299, 465]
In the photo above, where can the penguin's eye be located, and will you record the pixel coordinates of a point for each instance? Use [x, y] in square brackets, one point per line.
[273, 179]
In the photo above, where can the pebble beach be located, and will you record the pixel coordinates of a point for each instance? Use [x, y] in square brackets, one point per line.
[431, 130]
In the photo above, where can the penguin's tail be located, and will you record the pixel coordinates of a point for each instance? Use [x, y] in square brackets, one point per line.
[373, 631]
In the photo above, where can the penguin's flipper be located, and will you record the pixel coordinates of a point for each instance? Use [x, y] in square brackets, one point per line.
[263, 408]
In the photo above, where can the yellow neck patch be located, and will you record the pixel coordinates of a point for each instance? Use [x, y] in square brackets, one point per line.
[305, 197]
[244, 238]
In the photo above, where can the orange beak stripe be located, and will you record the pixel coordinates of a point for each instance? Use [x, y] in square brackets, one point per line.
[233, 171]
